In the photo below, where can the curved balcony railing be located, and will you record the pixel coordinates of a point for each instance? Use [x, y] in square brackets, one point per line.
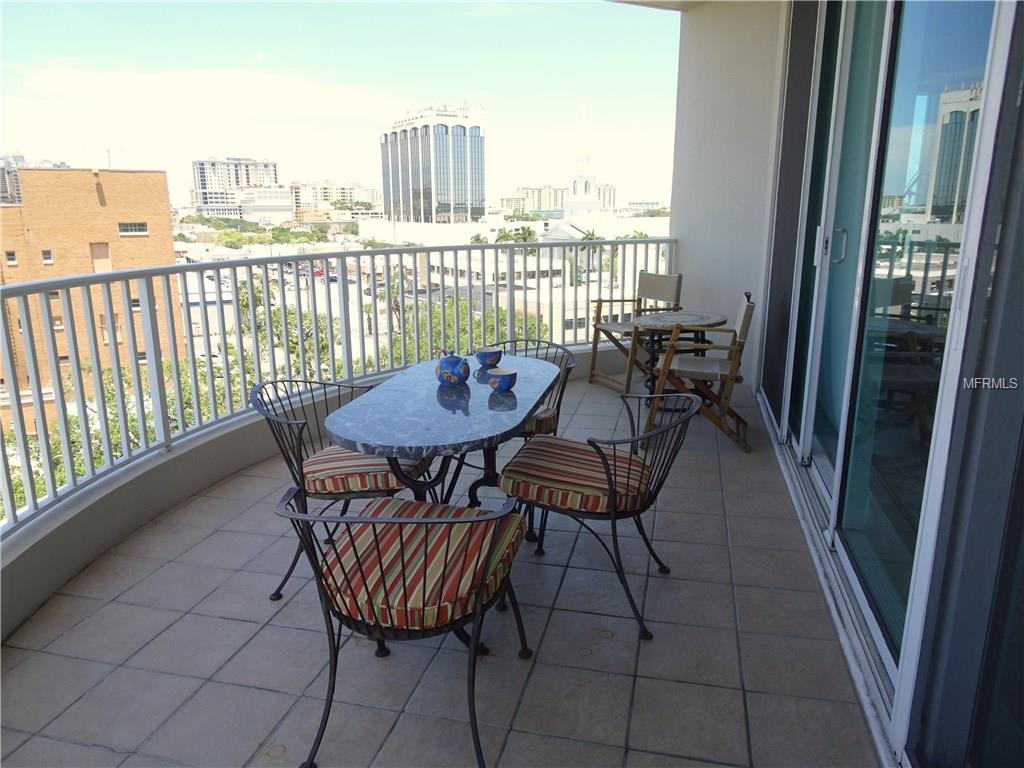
[99, 370]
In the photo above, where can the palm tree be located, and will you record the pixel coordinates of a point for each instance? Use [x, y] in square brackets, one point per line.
[505, 236]
[478, 240]
[591, 250]
[525, 234]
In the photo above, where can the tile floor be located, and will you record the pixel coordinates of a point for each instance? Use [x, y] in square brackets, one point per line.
[166, 650]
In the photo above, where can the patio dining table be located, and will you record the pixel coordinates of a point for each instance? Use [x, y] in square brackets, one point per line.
[412, 416]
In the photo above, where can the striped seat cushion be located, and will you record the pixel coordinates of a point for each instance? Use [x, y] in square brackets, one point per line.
[416, 576]
[339, 470]
[565, 474]
[543, 422]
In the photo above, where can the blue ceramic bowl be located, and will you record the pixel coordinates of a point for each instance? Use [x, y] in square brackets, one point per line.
[488, 356]
[501, 379]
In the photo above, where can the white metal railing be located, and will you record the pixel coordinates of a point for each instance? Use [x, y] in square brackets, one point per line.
[99, 370]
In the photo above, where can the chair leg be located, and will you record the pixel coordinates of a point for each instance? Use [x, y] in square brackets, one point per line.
[531, 534]
[478, 623]
[276, 594]
[662, 568]
[524, 649]
[333, 641]
[539, 551]
[464, 638]
[502, 605]
[620, 571]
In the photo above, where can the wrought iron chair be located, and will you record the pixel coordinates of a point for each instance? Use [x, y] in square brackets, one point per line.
[545, 419]
[713, 378]
[654, 293]
[405, 570]
[295, 410]
[608, 480]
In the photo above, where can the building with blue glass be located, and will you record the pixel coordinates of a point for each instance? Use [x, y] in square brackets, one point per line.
[432, 166]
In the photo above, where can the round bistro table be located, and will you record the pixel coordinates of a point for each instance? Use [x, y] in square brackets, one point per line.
[651, 330]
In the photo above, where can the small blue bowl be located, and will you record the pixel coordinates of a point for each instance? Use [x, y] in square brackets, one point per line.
[488, 356]
[501, 379]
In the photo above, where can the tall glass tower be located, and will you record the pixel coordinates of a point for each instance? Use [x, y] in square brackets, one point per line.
[432, 166]
[957, 123]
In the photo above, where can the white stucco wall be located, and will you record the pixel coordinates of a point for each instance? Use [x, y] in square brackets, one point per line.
[727, 111]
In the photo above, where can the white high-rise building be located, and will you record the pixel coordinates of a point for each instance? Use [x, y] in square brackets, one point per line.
[217, 182]
[546, 198]
[432, 166]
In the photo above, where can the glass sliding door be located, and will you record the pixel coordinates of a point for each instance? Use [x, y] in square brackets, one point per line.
[913, 247]
[843, 236]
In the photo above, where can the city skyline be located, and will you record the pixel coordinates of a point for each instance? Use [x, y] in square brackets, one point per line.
[321, 117]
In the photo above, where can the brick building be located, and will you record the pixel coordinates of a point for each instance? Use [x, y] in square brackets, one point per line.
[74, 222]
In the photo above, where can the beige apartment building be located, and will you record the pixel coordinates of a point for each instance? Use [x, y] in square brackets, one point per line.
[78, 222]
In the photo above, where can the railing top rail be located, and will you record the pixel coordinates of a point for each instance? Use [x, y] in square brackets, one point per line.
[27, 288]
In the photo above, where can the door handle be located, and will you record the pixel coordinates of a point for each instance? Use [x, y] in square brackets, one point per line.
[842, 253]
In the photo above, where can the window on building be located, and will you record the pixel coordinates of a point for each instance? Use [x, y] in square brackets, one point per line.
[47, 257]
[105, 330]
[64, 359]
[12, 258]
[136, 305]
[133, 228]
[141, 356]
[58, 322]
[53, 295]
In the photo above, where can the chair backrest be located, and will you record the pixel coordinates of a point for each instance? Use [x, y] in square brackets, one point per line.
[549, 352]
[743, 318]
[295, 410]
[403, 572]
[633, 483]
[653, 287]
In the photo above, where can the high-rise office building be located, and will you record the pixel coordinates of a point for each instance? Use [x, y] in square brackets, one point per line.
[546, 198]
[432, 165]
[216, 183]
[956, 126]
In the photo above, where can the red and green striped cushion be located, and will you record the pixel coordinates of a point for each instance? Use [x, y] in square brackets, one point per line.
[416, 576]
[339, 470]
[565, 474]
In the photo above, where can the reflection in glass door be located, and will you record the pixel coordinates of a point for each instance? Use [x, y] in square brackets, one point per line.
[914, 240]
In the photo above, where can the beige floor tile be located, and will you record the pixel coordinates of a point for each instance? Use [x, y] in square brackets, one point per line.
[429, 742]
[576, 703]
[244, 596]
[683, 653]
[442, 692]
[40, 752]
[695, 529]
[795, 666]
[10, 740]
[385, 683]
[783, 612]
[278, 658]
[205, 511]
[590, 554]
[176, 586]
[194, 645]
[528, 750]
[695, 721]
[700, 603]
[787, 731]
[783, 569]
[598, 592]
[57, 615]
[759, 503]
[245, 487]
[767, 533]
[220, 725]
[115, 715]
[162, 541]
[43, 686]
[696, 562]
[113, 633]
[603, 643]
[353, 736]
[110, 575]
[227, 549]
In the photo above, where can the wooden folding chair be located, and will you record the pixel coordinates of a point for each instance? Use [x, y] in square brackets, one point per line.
[654, 293]
[713, 378]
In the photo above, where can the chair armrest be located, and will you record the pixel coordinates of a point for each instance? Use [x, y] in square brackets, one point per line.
[690, 345]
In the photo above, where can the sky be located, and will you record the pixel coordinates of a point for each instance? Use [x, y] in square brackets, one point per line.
[312, 85]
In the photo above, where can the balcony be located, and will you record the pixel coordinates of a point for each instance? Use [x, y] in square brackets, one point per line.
[160, 647]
